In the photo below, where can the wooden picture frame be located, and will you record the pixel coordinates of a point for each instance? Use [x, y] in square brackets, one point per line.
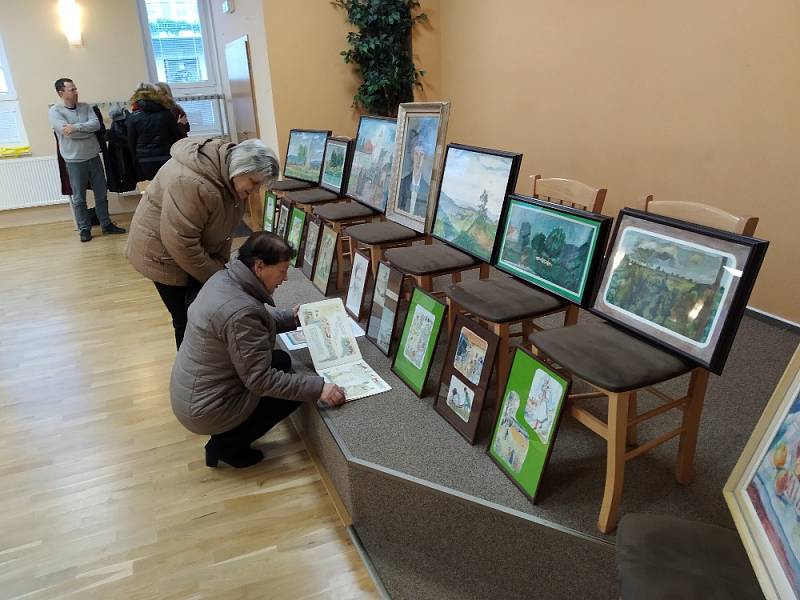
[418, 339]
[762, 490]
[682, 285]
[474, 187]
[311, 245]
[305, 165]
[371, 163]
[384, 307]
[335, 174]
[555, 234]
[524, 431]
[417, 167]
[357, 286]
[270, 203]
[294, 233]
[283, 219]
[326, 253]
[468, 366]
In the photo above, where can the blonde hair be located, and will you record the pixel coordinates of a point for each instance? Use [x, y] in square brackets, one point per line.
[164, 88]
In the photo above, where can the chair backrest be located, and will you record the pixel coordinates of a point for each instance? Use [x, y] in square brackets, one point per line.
[569, 192]
[702, 214]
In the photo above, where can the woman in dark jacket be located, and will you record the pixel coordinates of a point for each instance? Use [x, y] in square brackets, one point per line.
[151, 131]
[177, 111]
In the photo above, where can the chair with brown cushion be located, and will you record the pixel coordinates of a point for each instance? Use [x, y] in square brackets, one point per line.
[504, 302]
[379, 236]
[618, 365]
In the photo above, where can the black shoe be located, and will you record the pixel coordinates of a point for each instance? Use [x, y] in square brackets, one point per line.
[86, 235]
[239, 460]
[112, 228]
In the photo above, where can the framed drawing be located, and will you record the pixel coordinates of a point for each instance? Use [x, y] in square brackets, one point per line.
[424, 319]
[325, 255]
[304, 154]
[358, 284]
[294, 237]
[283, 219]
[682, 285]
[557, 248]
[270, 201]
[335, 165]
[371, 167]
[417, 169]
[763, 491]
[312, 244]
[384, 307]
[527, 421]
[475, 183]
[465, 377]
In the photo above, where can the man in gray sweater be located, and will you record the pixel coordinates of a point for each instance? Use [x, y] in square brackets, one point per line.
[75, 124]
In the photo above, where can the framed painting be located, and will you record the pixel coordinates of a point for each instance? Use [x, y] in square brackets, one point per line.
[358, 284]
[312, 244]
[304, 154]
[371, 166]
[283, 219]
[763, 491]
[384, 307]
[417, 169]
[527, 421]
[475, 183]
[421, 329]
[270, 202]
[557, 248]
[465, 377]
[294, 237]
[325, 255]
[335, 165]
[683, 286]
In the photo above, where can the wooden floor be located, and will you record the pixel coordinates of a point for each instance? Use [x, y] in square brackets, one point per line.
[102, 493]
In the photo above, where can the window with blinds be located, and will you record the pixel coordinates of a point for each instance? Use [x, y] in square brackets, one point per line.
[13, 139]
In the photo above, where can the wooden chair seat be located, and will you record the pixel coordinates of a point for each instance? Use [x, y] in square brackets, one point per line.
[661, 557]
[502, 300]
[290, 184]
[608, 357]
[312, 196]
[340, 211]
[429, 260]
[382, 232]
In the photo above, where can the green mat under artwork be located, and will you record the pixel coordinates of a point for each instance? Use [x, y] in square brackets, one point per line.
[295, 235]
[270, 201]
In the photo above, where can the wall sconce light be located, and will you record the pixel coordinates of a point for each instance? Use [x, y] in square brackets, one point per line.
[70, 14]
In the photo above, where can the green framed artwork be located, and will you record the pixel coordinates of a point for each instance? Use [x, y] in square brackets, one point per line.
[283, 220]
[294, 237]
[311, 246]
[557, 248]
[527, 421]
[324, 261]
[421, 329]
[270, 201]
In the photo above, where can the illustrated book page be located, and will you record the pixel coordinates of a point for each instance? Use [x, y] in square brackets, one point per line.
[295, 340]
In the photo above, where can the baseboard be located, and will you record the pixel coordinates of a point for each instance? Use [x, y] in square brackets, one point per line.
[118, 204]
[763, 315]
[371, 570]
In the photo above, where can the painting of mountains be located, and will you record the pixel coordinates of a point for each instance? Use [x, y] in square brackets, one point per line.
[474, 186]
[304, 156]
[547, 248]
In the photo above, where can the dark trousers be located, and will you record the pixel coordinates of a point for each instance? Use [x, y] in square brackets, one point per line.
[177, 299]
[268, 413]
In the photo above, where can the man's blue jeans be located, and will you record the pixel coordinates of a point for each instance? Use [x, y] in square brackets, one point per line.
[80, 174]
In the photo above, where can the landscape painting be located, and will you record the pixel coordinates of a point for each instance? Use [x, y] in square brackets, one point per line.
[325, 255]
[474, 187]
[304, 156]
[371, 168]
[312, 243]
[551, 248]
[294, 237]
[333, 165]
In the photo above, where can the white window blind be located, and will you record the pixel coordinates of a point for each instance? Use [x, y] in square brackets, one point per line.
[13, 139]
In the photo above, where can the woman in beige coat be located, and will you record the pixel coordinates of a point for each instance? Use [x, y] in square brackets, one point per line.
[181, 232]
[229, 381]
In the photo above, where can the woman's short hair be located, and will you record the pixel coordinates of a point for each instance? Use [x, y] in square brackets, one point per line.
[253, 156]
[163, 88]
[269, 247]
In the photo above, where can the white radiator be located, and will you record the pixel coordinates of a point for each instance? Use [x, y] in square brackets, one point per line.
[26, 182]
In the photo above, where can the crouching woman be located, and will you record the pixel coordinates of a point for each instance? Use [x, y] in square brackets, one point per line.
[229, 380]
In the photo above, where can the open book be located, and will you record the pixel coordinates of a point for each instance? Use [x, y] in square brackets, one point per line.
[334, 349]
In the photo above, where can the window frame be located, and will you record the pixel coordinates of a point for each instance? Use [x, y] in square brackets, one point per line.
[9, 101]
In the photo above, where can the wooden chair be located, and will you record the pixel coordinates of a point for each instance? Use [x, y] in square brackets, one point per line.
[618, 365]
[340, 216]
[504, 303]
[379, 236]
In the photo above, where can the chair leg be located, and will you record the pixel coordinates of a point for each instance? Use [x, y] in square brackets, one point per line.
[633, 410]
[340, 263]
[453, 309]
[484, 271]
[698, 383]
[375, 257]
[615, 461]
[503, 360]
[425, 282]
[571, 315]
[455, 277]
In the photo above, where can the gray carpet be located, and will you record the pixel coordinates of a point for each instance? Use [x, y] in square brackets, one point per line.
[400, 431]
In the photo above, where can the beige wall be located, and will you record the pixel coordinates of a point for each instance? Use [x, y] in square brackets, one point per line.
[107, 67]
[687, 100]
